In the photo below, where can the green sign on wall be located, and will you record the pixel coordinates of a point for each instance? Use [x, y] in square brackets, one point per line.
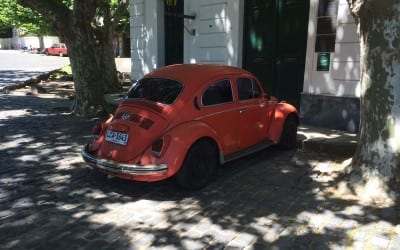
[323, 61]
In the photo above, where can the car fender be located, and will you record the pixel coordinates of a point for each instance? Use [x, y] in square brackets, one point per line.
[281, 112]
[182, 137]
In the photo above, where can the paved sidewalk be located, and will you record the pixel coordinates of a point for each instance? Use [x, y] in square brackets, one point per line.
[274, 199]
[333, 142]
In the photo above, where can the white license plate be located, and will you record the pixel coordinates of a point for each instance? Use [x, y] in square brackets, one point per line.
[117, 137]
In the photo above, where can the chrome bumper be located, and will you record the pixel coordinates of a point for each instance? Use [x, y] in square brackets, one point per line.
[121, 168]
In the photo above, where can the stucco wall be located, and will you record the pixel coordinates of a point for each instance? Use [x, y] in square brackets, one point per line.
[214, 36]
[330, 98]
[5, 43]
[343, 77]
[34, 42]
[146, 36]
[218, 32]
[19, 42]
[346, 59]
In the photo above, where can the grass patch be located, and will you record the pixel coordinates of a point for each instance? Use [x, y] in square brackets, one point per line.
[67, 69]
[65, 74]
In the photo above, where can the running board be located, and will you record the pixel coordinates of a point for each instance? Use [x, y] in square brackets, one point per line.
[247, 151]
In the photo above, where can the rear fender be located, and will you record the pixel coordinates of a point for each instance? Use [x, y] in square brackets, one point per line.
[182, 138]
[282, 111]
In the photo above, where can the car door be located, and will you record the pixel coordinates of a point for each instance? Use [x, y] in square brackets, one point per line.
[253, 125]
[221, 113]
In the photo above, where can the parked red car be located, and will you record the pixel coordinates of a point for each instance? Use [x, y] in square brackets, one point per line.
[185, 120]
[57, 49]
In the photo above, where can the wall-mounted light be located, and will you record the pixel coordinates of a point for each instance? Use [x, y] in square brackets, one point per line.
[171, 3]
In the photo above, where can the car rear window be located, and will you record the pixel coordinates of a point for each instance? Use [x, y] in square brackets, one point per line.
[159, 90]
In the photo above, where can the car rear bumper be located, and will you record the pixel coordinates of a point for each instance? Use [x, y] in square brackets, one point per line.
[122, 168]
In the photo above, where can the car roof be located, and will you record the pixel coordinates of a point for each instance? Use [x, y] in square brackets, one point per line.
[196, 73]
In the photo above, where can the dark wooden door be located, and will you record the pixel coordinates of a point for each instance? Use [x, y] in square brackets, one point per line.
[174, 33]
[275, 41]
[260, 41]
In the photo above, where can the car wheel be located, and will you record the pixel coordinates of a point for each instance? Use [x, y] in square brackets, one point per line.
[289, 133]
[199, 165]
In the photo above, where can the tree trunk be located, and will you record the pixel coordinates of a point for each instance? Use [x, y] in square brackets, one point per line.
[87, 31]
[92, 60]
[41, 42]
[376, 164]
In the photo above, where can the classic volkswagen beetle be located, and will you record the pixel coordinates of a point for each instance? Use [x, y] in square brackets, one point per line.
[184, 120]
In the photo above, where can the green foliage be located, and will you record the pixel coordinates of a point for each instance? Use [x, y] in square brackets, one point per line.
[63, 73]
[31, 22]
[67, 69]
[27, 20]
[122, 25]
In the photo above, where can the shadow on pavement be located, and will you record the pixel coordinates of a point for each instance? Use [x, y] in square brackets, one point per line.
[9, 77]
[50, 198]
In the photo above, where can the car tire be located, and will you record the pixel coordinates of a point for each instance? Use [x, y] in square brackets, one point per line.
[288, 138]
[199, 165]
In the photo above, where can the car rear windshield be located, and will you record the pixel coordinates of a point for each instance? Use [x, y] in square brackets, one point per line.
[156, 90]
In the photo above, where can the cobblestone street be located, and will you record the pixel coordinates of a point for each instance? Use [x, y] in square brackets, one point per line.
[274, 199]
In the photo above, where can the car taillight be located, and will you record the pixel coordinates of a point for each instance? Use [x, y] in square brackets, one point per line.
[96, 130]
[157, 147]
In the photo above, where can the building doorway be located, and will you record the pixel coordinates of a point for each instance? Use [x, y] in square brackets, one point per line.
[275, 43]
[173, 33]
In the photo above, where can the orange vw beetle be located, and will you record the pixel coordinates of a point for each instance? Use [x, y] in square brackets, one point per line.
[185, 120]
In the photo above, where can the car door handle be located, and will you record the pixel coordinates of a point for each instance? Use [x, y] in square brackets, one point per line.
[242, 111]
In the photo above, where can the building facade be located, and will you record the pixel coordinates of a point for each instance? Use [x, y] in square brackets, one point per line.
[303, 51]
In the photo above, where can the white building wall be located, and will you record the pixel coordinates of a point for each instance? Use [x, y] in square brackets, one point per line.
[34, 41]
[346, 59]
[49, 40]
[218, 32]
[147, 36]
[5, 43]
[214, 36]
[343, 78]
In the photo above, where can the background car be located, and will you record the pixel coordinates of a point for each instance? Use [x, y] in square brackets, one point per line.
[57, 49]
[185, 121]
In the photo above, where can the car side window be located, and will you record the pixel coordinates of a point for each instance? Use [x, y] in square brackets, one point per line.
[248, 89]
[217, 93]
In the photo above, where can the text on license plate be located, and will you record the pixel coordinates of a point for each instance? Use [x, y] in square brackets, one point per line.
[117, 137]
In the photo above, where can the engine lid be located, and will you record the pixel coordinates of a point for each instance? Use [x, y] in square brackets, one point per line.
[133, 129]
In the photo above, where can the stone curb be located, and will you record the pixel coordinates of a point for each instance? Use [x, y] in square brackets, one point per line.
[28, 82]
[338, 148]
[322, 140]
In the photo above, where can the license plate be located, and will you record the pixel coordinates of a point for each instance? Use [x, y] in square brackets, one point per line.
[117, 137]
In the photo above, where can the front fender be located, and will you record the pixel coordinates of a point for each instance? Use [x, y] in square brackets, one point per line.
[182, 137]
[282, 111]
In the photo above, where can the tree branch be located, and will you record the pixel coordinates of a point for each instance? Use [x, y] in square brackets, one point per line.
[52, 10]
[122, 6]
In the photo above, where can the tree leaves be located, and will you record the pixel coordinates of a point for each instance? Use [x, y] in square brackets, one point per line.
[27, 20]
